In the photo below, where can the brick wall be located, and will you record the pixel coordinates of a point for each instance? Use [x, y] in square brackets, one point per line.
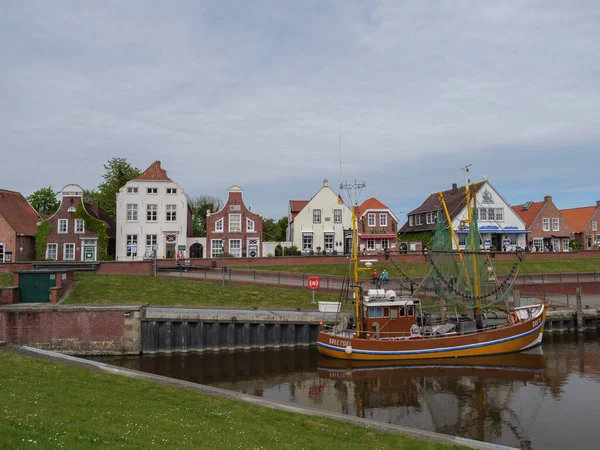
[129, 267]
[549, 211]
[589, 233]
[73, 330]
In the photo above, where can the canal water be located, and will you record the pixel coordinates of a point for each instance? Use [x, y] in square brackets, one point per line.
[548, 399]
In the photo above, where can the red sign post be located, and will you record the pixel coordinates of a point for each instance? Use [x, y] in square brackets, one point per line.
[314, 283]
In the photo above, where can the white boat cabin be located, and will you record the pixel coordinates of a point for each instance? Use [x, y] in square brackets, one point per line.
[388, 317]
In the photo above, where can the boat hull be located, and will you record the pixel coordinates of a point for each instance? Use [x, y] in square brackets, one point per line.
[512, 338]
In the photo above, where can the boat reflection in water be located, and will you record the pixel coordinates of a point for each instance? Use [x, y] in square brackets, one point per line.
[469, 397]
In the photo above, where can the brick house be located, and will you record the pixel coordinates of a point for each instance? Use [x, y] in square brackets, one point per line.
[377, 227]
[548, 229]
[18, 225]
[584, 221]
[72, 235]
[234, 229]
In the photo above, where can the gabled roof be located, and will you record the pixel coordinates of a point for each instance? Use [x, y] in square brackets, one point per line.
[578, 218]
[296, 206]
[154, 173]
[373, 204]
[529, 214]
[19, 214]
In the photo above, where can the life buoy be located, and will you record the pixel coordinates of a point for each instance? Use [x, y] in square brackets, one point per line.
[414, 330]
[515, 317]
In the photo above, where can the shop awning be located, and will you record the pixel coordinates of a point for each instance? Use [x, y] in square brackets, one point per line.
[377, 236]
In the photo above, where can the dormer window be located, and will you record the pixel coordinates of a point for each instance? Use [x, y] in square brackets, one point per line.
[411, 221]
[219, 225]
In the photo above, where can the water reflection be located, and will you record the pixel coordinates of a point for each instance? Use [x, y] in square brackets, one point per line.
[528, 400]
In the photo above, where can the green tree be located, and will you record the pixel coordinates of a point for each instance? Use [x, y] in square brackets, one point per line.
[200, 207]
[44, 200]
[274, 231]
[89, 195]
[118, 172]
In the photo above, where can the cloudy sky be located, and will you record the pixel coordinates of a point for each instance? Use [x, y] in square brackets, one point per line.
[258, 93]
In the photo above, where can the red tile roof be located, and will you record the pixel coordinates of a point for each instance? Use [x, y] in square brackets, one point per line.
[528, 215]
[578, 218]
[296, 206]
[154, 173]
[19, 214]
[371, 203]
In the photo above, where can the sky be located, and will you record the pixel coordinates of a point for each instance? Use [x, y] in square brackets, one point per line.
[276, 96]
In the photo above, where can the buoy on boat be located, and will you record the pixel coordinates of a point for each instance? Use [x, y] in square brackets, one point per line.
[515, 317]
[348, 349]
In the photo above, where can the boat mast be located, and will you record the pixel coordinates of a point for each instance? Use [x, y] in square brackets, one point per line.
[476, 280]
[351, 189]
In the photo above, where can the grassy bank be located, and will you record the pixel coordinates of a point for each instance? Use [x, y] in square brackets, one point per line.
[115, 289]
[6, 279]
[49, 405]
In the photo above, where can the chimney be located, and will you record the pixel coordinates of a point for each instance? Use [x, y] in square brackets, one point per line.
[454, 188]
[96, 208]
[597, 203]
[325, 182]
[548, 199]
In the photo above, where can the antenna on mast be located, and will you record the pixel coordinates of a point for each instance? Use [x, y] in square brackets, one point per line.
[340, 143]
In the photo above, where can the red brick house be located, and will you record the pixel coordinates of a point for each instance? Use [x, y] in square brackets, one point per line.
[234, 229]
[377, 227]
[584, 222]
[77, 231]
[549, 230]
[18, 225]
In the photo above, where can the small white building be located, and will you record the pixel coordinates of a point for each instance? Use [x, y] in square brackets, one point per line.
[153, 217]
[322, 224]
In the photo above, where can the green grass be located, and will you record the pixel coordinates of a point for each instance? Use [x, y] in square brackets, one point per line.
[6, 279]
[119, 289]
[49, 405]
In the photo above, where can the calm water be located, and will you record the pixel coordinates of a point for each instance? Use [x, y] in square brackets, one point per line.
[543, 400]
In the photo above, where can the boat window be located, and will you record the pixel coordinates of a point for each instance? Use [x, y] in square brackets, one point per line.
[371, 312]
[402, 312]
[386, 312]
[411, 310]
[378, 313]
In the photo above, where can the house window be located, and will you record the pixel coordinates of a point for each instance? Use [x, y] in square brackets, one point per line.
[132, 212]
[337, 216]
[51, 251]
[151, 213]
[430, 217]
[235, 247]
[1, 252]
[216, 247]
[513, 239]
[316, 216]
[235, 222]
[385, 244]
[565, 243]
[131, 249]
[79, 226]
[383, 220]
[371, 220]
[329, 239]
[499, 214]
[307, 242]
[418, 219]
[132, 190]
[491, 213]
[152, 191]
[462, 239]
[538, 243]
[151, 240]
[69, 252]
[219, 225]
[482, 214]
[370, 244]
[171, 213]
[171, 191]
[546, 224]
[411, 221]
[63, 226]
[249, 225]
[594, 226]
[555, 225]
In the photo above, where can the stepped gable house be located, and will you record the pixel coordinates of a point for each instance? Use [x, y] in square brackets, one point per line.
[321, 224]
[499, 226]
[154, 219]
[584, 221]
[234, 229]
[73, 235]
[18, 226]
[377, 227]
[548, 229]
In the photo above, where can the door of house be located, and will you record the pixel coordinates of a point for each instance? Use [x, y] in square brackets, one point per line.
[35, 287]
[89, 253]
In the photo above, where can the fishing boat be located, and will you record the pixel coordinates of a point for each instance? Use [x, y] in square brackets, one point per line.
[387, 326]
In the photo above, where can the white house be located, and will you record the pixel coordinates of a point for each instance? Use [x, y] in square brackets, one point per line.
[324, 223]
[153, 217]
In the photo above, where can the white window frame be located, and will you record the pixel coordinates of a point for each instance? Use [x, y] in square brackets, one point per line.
[132, 190]
[132, 212]
[250, 225]
[370, 244]
[545, 224]
[171, 213]
[237, 228]
[462, 239]
[316, 216]
[131, 240]
[55, 246]
[235, 248]
[151, 240]
[539, 243]
[78, 229]
[219, 225]
[216, 250]
[72, 246]
[499, 214]
[307, 242]
[2, 251]
[151, 212]
[152, 191]
[594, 226]
[62, 222]
[418, 219]
[482, 214]
[337, 215]
[171, 191]
[555, 224]
[411, 221]
[565, 244]
[385, 243]
[328, 242]
[383, 219]
[371, 219]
